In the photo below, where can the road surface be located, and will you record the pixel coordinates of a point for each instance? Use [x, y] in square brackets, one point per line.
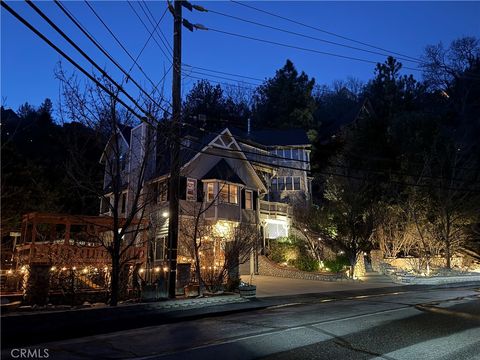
[408, 324]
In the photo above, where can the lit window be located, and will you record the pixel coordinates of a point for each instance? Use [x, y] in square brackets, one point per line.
[223, 193]
[248, 200]
[210, 192]
[233, 194]
[228, 193]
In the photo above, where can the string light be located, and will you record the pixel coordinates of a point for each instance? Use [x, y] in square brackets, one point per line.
[64, 268]
[85, 270]
[165, 269]
[141, 271]
[74, 268]
[53, 268]
[157, 269]
[9, 272]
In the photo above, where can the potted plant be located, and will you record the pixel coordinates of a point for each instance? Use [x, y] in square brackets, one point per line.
[247, 290]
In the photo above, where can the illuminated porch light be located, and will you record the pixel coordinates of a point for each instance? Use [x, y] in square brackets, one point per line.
[165, 214]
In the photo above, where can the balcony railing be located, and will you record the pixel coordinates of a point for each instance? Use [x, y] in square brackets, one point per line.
[274, 209]
[51, 253]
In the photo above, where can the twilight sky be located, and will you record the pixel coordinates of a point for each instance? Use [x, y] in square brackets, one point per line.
[27, 63]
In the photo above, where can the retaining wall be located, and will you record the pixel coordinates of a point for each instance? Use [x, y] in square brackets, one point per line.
[269, 268]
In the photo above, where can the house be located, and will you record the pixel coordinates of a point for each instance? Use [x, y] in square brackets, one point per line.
[231, 177]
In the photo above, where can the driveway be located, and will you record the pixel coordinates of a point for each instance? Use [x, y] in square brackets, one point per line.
[277, 286]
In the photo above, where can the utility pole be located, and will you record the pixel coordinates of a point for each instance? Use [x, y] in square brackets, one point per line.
[174, 187]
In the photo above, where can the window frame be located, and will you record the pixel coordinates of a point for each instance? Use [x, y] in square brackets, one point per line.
[249, 192]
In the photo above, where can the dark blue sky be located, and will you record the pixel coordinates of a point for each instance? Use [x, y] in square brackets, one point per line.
[28, 64]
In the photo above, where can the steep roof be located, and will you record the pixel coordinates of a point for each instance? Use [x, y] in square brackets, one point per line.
[222, 171]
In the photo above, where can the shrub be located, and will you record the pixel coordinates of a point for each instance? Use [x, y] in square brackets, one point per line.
[306, 263]
[282, 251]
[338, 264]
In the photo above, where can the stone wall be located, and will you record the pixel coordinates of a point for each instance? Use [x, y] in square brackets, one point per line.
[269, 268]
[401, 276]
[359, 269]
[411, 263]
[376, 257]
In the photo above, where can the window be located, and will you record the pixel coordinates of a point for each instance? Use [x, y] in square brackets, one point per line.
[281, 183]
[289, 183]
[274, 184]
[228, 193]
[233, 194]
[210, 192]
[248, 200]
[296, 183]
[191, 190]
[295, 154]
[223, 193]
[159, 248]
[162, 191]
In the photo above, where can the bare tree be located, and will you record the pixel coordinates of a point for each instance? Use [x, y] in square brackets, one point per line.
[126, 161]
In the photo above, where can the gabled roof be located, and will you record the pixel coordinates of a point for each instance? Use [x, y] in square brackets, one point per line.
[222, 171]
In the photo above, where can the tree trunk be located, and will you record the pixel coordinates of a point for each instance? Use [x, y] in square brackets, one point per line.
[115, 280]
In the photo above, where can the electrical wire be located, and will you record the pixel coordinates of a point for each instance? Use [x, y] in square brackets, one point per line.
[73, 62]
[323, 31]
[103, 50]
[307, 36]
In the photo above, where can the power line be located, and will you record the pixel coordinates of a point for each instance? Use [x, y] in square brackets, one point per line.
[323, 172]
[276, 157]
[90, 60]
[121, 45]
[220, 82]
[168, 56]
[148, 39]
[223, 78]
[306, 36]
[223, 72]
[294, 46]
[159, 29]
[323, 31]
[102, 49]
[73, 62]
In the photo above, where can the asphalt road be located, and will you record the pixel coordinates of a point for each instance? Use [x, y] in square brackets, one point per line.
[409, 324]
